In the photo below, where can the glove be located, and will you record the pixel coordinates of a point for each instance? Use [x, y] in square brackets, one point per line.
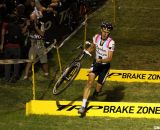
[88, 43]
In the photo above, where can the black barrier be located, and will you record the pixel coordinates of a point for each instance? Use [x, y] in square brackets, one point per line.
[70, 14]
[58, 26]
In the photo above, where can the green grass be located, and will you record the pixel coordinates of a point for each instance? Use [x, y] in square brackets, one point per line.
[136, 33]
[13, 100]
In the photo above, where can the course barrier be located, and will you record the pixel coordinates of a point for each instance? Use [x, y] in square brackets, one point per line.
[126, 76]
[104, 109]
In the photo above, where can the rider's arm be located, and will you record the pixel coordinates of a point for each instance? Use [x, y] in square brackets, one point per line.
[91, 48]
[108, 59]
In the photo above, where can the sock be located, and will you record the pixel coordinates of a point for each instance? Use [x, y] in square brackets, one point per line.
[84, 101]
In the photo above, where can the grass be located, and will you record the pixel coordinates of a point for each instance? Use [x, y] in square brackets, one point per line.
[13, 100]
[136, 33]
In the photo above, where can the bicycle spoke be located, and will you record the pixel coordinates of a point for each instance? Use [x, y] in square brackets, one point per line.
[66, 78]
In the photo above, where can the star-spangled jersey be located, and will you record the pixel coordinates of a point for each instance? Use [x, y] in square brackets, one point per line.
[103, 50]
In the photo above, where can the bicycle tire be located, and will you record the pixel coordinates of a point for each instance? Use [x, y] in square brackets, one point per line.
[66, 78]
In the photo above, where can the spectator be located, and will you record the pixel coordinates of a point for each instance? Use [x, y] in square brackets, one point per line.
[36, 35]
[11, 42]
[3, 11]
[29, 7]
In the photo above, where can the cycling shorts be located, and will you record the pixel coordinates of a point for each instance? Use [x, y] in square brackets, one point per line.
[100, 70]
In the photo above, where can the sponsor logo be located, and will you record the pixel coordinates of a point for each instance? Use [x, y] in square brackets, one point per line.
[136, 76]
[127, 76]
[114, 109]
[108, 109]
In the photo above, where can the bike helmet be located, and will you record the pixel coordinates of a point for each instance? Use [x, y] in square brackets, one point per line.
[107, 26]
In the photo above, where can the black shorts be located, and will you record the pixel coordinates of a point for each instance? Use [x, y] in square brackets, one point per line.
[100, 70]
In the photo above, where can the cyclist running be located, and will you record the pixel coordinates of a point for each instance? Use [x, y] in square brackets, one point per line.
[103, 45]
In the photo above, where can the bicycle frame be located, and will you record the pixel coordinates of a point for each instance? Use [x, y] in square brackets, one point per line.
[78, 58]
[69, 73]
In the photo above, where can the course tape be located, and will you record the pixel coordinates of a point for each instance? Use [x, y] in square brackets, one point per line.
[19, 61]
[105, 109]
[14, 61]
[126, 75]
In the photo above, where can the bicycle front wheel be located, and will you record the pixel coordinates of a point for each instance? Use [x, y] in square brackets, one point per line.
[66, 78]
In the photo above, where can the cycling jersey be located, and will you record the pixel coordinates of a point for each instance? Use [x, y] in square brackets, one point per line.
[101, 69]
[102, 50]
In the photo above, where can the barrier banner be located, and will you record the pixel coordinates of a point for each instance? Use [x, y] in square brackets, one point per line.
[104, 109]
[126, 75]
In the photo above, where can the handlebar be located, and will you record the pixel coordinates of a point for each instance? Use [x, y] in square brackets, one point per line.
[81, 45]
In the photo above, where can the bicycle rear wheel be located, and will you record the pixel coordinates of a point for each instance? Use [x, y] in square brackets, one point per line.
[66, 78]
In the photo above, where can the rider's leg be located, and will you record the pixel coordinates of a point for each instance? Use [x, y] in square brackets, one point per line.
[87, 88]
[101, 80]
[98, 87]
[97, 90]
[86, 93]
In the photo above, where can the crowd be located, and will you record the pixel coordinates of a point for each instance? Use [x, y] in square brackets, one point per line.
[27, 25]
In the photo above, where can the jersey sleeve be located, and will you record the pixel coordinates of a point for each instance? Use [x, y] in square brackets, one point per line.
[111, 46]
[94, 38]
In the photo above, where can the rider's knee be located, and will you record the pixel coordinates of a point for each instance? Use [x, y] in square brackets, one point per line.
[89, 83]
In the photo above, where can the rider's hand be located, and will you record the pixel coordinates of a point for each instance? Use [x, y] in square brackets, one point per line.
[88, 43]
[87, 52]
[99, 60]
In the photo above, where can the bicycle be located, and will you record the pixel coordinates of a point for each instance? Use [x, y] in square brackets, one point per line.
[69, 73]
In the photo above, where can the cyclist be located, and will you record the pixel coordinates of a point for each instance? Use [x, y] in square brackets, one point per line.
[103, 45]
